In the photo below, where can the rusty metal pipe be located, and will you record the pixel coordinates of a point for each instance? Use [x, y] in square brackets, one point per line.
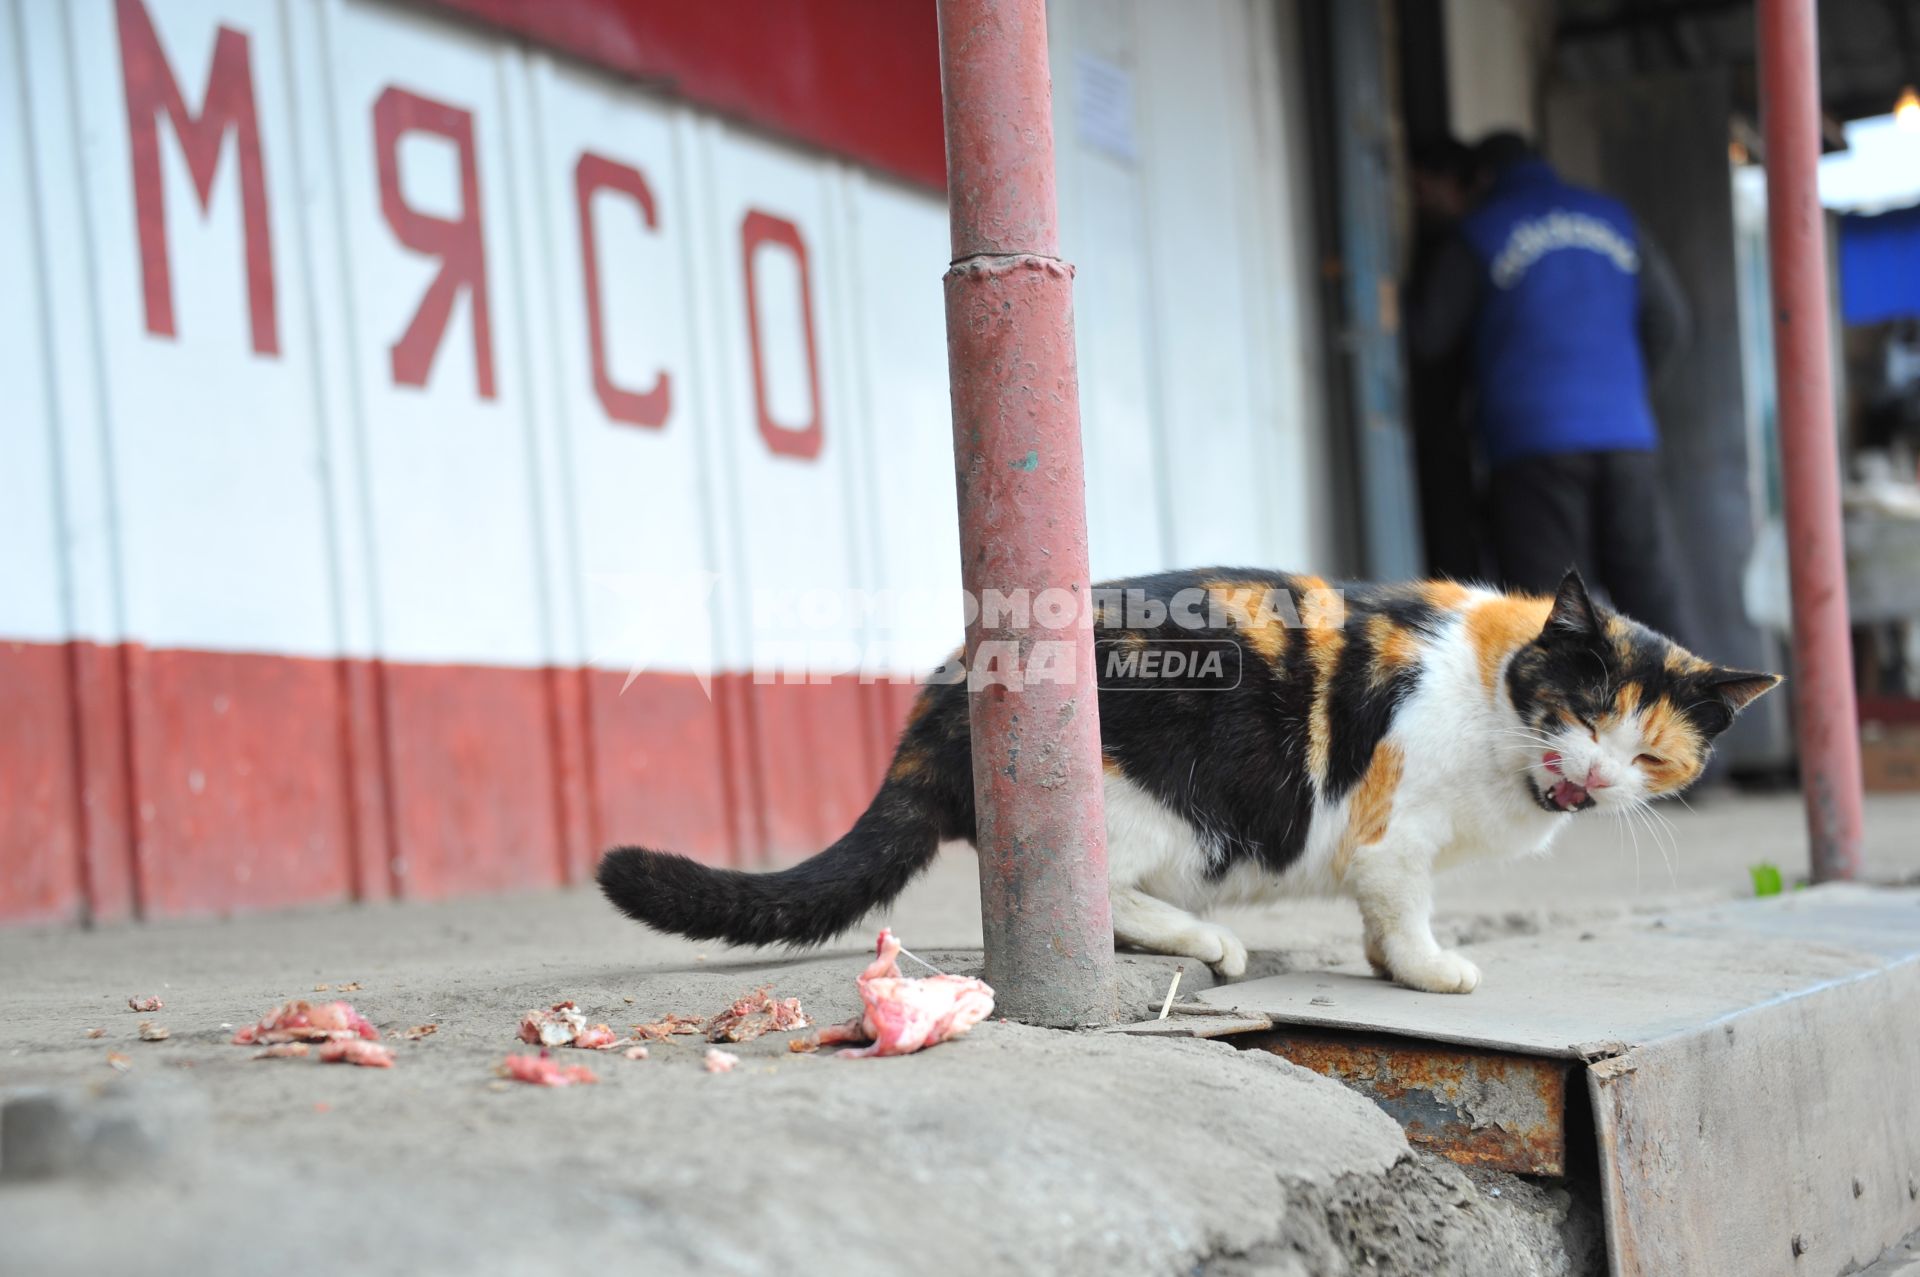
[1023, 526]
[1826, 716]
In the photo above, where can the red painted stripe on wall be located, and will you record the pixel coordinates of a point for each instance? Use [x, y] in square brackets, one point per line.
[363, 761]
[255, 782]
[471, 770]
[240, 798]
[660, 762]
[41, 874]
[860, 78]
[102, 779]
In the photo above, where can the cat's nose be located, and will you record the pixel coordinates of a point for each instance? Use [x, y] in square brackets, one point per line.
[1594, 779]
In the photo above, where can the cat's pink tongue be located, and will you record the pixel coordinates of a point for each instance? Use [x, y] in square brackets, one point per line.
[1567, 795]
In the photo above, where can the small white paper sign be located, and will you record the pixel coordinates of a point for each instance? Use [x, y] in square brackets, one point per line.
[1103, 105]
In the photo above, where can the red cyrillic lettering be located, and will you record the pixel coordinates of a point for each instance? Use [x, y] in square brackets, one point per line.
[226, 105]
[634, 407]
[459, 243]
[759, 228]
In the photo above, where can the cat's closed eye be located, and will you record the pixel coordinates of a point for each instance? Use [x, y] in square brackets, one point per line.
[1650, 760]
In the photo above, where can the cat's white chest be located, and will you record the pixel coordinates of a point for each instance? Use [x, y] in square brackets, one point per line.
[1497, 831]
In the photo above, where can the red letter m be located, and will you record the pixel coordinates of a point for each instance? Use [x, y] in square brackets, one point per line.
[226, 105]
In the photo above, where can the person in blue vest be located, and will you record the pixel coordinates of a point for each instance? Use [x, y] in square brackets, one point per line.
[1568, 314]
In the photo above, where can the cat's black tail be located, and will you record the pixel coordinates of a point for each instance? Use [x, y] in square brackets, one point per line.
[894, 839]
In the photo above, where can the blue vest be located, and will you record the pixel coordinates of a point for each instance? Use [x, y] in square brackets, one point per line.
[1556, 350]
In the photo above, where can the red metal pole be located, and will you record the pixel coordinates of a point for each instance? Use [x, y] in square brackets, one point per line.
[1828, 720]
[1023, 526]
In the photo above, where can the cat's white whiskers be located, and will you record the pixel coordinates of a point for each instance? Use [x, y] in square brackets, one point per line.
[1620, 815]
[1640, 812]
[1528, 734]
[1673, 840]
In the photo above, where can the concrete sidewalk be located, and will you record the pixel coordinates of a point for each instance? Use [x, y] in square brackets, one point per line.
[1012, 1150]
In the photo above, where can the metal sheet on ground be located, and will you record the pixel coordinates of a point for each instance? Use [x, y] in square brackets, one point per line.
[1628, 983]
[1750, 1069]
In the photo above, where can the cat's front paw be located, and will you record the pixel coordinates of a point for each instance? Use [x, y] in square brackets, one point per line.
[1233, 956]
[1442, 972]
[1220, 949]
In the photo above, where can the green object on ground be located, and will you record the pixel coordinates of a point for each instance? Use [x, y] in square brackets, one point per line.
[1766, 879]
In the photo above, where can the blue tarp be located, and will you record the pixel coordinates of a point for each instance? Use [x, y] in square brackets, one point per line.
[1880, 266]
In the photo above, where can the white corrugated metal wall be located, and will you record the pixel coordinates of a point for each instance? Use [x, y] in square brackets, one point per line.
[363, 635]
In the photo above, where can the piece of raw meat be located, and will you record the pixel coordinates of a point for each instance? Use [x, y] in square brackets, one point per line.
[543, 1070]
[904, 1014]
[562, 1024]
[757, 1013]
[667, 1027]
[144, 1002]
[284, 1051]
[369, 1055]
[719, 1061]
[307, 1022]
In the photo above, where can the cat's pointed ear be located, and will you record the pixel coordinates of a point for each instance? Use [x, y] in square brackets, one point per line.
[1740, 688]
[1573, 615]
[1727, 693]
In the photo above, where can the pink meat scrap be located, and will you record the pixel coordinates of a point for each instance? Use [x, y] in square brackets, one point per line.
[719, 1061]
[665, 1028]
[562, 1024]
[369, 1055]
[307, 1022]
[543, 1070]
[146, 1002]
[757, 1013]
[904, 1014]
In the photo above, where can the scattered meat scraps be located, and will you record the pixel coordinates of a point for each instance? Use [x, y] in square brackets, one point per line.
[636, 1053]
[563, 1025]
[118, 1062]
[284, 1051]
[307, 1022]
[543, 1070]
[719, 1061]
[151, 1032]
[145, 1002]
[667, 1027]
[96, 1033]
[757, 1013]
[904, 1014]
[419, 1031]
[370, 1055]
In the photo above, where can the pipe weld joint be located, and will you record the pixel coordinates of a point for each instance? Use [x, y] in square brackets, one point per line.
[1001, 264]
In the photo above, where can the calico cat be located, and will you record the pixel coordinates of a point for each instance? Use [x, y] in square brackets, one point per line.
[1373, 735]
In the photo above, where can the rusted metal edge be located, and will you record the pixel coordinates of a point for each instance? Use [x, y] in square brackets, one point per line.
[1196, 1026]
[1476, 1107]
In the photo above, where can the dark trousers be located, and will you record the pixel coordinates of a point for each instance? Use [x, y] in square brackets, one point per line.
[1603, 512]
